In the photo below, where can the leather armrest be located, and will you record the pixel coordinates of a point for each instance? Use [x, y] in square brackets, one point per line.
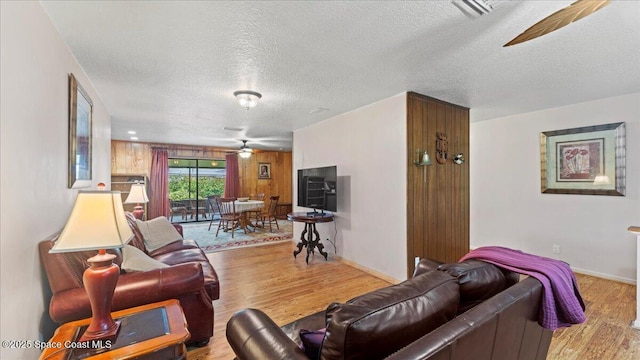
[132, 289]
[253, 335]
[426, 265]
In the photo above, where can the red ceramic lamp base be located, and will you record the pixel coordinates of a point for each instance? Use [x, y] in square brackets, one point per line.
[100, 282]
[138, 212]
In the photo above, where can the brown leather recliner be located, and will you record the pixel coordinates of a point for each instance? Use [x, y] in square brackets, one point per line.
[190, 278]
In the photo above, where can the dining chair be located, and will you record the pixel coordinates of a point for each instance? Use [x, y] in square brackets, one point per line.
[229, 218]
[270, 214]
[254, 213]
[214, 208]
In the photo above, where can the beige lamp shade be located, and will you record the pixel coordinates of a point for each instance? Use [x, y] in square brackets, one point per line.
[137, 195]
[97, 221]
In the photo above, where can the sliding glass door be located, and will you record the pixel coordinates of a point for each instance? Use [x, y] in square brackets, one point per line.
[192, 182]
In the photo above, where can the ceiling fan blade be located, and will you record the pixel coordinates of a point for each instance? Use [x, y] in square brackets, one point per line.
[559, 19]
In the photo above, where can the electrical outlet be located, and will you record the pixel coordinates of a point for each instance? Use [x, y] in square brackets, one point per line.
[556, 249]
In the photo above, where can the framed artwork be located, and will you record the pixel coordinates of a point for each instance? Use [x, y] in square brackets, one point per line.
[264, 170]
[587, 160]
[80, 118]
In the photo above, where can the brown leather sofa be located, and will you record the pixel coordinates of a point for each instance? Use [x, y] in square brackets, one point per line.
[468, 310]
[190, 278]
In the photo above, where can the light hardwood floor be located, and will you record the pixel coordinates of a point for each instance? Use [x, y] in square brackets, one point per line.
[268, 278]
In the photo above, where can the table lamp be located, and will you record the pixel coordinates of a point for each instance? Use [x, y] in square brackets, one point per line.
[97, 222]
[137, 195]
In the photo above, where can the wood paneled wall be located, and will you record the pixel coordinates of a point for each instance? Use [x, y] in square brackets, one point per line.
[437, 195]
[281, 178]
[129, 157]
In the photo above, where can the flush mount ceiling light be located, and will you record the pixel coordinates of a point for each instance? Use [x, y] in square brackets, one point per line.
[247, 99]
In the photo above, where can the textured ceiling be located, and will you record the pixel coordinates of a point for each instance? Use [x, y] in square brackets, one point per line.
[168, 70]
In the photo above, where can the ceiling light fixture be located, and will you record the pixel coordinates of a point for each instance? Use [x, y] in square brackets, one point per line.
[245, 151]
[247, 99]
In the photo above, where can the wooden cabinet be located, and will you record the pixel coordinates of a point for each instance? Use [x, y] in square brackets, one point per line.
[123, 182]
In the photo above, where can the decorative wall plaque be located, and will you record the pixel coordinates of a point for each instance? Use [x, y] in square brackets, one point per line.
[442, 147]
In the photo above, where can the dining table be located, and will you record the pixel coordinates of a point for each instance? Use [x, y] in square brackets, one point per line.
[243, 207]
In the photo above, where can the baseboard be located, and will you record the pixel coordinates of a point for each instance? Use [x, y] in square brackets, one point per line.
[369, 271]
[604, 276]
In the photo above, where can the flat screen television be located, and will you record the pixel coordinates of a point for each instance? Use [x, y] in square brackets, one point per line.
[317, 188]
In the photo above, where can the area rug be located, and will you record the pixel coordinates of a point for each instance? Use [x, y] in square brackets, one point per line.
[208, 241]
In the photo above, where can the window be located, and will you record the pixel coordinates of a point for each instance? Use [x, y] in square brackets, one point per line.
[191, 182]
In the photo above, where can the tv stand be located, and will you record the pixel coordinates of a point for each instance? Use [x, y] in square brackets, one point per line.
[310, 219]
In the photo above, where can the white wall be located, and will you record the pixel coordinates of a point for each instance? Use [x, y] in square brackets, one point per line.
[35, 201]
[508, 209]
[368, 145]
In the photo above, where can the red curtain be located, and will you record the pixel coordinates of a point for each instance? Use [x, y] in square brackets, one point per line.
[232, 180]
[159, 185]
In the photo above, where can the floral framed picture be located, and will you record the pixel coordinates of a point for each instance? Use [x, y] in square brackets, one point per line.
[264, 170]
[586, 161]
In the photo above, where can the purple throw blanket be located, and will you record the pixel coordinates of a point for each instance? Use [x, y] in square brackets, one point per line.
[562, 304]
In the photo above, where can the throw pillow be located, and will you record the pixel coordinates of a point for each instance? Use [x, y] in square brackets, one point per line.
[157, 233]
[377, 324]
[312, 342]
[133, 259]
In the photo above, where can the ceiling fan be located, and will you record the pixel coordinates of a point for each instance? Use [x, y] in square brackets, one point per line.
[245, 151]
[559, 19]
[553, 22]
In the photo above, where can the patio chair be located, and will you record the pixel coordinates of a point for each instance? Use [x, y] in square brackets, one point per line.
[195, 207]
[177, 207]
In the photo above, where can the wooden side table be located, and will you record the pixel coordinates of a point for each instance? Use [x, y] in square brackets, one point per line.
[310, 220]
[153, 331]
